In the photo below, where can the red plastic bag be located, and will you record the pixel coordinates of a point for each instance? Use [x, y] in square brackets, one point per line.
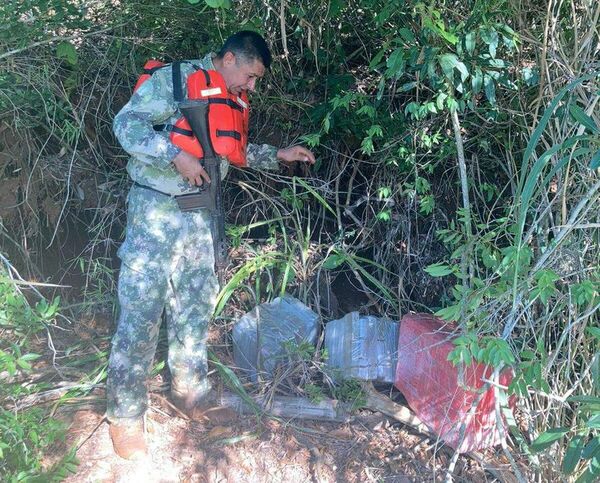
[430, 384]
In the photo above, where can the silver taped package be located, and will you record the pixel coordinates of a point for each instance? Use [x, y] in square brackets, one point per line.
[362, 347]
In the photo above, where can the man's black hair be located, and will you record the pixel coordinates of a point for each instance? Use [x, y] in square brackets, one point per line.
[249, 45]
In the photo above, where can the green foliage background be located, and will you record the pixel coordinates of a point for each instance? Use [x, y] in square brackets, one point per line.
[458, 152]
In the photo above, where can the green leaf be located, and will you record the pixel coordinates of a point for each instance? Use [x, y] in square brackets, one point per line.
[595, 162]
[157, 368]
[596, 371]
[395, 64]
[547, 438]
[335, 7]
[582, 118]
[460, 355]
[30, 357]
[407, 87]
[449, 62]
[572, 455]
[477, 81]
[312, 139]
[449, 313]
[384, 215]
[594, 422]
[592, 472]
[312, 191]
[406, 35]
[535, 137]
[379, 56]
[490, 89]
[583, 292]
[233, 381]
[594, 331]
[439, 102]
[531, 76]
[66, 51]
[366, 145]
[353, 262]
[452, 104]
[498, 63]
[217, 3]
[584, 399]
[23, 364]
[591, 449]
[375, 130]
[333, 261]
[381, 88]
[470, 42]
[490, 37]
[259, 262]
[439, 270]
[426, 204]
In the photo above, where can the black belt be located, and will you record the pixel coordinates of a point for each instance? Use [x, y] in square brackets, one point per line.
[186, 202]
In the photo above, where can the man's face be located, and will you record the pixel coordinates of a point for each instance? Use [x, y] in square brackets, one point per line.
[241, 75]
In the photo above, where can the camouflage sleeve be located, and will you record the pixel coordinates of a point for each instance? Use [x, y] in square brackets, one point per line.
[151, 104]
[262, 157]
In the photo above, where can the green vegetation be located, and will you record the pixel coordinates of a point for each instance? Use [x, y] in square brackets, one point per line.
[25, 431]
[458, 152]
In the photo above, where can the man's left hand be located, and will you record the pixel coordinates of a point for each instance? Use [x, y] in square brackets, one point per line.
[296, 153]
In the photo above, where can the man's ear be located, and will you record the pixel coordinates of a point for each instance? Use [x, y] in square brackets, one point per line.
[229, 58]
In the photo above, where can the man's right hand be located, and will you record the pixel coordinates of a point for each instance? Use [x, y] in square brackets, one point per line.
[190, 168]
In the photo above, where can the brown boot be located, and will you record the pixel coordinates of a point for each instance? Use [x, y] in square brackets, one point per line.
[128, 439]
[205, 410]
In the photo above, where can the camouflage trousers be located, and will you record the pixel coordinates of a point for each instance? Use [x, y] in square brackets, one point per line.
[167, 264]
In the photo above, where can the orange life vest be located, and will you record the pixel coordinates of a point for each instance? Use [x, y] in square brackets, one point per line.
[228, 114]
[150, 67]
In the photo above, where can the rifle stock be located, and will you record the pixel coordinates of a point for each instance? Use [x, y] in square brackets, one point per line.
[196, 113]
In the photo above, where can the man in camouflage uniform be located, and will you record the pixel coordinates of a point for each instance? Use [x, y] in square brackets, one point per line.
[167, 257]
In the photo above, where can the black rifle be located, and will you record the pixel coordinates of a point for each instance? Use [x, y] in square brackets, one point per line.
[210, 195]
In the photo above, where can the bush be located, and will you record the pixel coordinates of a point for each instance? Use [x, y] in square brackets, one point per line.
[25, 434]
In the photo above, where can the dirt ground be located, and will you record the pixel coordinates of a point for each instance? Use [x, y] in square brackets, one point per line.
[370, 448]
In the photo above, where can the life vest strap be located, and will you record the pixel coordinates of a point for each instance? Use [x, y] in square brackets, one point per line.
[187, 132]
[171, 128]
[206, 76]
[231, 134]
[227, 102]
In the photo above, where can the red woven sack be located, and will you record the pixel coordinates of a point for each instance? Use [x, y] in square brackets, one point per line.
[430, 384]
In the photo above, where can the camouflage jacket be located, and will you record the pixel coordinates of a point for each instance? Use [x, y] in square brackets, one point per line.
[151, 151]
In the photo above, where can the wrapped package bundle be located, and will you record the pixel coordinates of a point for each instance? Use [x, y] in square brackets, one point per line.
[262, 337]
[362, 347]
